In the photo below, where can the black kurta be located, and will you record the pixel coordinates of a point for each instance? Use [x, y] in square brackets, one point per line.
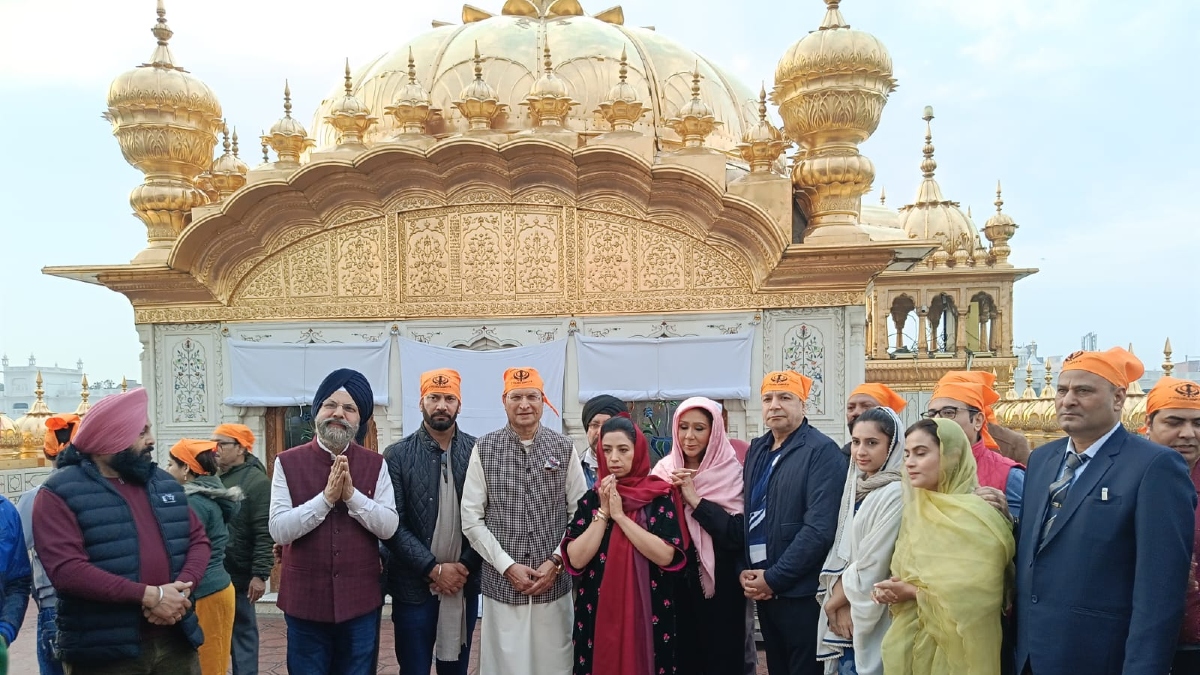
[712, 631]
[662, 522]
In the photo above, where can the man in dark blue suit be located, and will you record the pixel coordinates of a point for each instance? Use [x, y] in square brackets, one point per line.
[1105, 546]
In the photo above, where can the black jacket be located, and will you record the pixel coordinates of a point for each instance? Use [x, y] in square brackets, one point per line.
[415, 464]
[803, 500]
[248, 553]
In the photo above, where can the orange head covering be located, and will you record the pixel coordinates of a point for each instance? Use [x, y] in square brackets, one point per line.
[443, 381]
[51, 444]
[788, 380]
[186, 451]
[882, 394]
[975, 388]
[1116, 365]
[526, 378]
[1172, 393]
[238, 432]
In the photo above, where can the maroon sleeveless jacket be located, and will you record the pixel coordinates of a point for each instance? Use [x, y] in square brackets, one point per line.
[332, 573]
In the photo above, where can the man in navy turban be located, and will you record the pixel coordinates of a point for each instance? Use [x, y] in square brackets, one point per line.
[332, 500]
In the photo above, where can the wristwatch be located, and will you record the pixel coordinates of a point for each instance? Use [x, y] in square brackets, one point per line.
[558, 562]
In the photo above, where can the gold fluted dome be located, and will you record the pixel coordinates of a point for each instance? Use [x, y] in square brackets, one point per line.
[228, 172]
[287, 137]
[586, 54]
[548, 100]
[350, 116]
[165, 120]
[933, 217]
[999, 230]
[622, 108]
[32, 425]
[412, 107]
[695, 120]
[762, 144]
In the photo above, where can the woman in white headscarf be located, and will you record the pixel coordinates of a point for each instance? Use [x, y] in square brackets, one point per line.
[851, 627]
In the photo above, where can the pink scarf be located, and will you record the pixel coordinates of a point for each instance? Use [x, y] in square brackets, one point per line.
[718, 480]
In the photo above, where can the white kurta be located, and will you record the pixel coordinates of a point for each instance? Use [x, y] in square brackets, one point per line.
[527, 639]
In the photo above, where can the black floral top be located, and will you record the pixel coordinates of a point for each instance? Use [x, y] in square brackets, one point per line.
[661, 521]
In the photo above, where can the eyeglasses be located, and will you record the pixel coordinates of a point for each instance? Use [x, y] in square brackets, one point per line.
[948, 413]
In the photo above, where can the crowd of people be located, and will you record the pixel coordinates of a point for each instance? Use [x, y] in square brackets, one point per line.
[945, 548]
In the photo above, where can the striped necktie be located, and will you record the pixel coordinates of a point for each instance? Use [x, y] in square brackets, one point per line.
[1059, 488]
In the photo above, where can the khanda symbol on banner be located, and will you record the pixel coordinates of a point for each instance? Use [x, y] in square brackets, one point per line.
[779, 378]
[521, 375]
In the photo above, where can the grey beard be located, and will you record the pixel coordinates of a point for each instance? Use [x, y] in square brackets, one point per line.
[334, 436]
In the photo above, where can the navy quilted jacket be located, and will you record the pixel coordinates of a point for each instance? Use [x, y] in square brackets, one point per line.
[415, 464]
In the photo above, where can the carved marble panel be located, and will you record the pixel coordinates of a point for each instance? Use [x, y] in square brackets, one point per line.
[811, 341]
[427, 256]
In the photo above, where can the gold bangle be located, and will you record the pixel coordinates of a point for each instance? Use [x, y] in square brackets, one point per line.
[599, 515]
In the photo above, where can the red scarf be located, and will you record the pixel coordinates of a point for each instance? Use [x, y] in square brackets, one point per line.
[623, 628]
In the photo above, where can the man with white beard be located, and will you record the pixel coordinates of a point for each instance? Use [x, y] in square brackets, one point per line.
[332, 500]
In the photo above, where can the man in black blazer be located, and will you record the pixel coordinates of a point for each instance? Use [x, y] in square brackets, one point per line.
[1104, 549]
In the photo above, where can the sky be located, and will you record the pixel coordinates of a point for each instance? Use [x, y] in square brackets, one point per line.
[1087, 110]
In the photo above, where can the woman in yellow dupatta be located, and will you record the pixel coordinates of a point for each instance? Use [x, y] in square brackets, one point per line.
[953, 556]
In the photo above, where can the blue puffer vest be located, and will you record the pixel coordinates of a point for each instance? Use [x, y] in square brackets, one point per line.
[97, 632]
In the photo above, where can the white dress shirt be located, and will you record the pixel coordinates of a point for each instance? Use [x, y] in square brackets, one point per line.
[289, 523]
[474, 507]
[1090, 452]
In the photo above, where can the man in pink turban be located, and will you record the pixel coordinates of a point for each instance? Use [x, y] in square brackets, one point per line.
[120, 546]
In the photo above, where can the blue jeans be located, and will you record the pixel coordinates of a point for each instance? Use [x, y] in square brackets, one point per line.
[47, 640]
[416, 632]
[846, 663]
[320, 648]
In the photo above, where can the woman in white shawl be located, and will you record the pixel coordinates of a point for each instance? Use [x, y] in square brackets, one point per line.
[851, 627]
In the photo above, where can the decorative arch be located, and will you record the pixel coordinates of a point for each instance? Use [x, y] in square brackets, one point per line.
[902, 329]
[525, 228]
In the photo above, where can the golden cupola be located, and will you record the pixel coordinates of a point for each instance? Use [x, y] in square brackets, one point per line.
[412, 107]
[933, 217]
[228, 172]
[762, 145]
[32, 425]
[84, 394]
[350, 117]
[695, 119]
[548, 100]
[999, 229]
[287, 136]
[831, 88]
[622, 107]
[478, 102]
[165, 120]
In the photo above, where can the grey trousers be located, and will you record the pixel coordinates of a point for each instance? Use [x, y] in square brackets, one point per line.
[244, 653]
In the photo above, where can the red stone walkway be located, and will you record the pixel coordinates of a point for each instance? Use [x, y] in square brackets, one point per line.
[272, 657]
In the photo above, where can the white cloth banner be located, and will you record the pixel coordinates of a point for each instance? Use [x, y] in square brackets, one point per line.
[651, 369]
[273, 374]
[482, 381]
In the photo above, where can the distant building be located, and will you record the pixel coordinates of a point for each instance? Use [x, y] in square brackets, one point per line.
[61, 387]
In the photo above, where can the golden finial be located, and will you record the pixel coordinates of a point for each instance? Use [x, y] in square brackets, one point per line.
[225, 145]
[235, 142]
[1130, 350]
[287, 136]
[412, 108]
[38, 392]
[548, 100]
[695, 120]
[999, 229]
[1168, 366]
[265, 146]
[1047, 390]
[1028, 393]
[762, 144]
[350, 117]
[84, 394]
[929, 164]
[621, 107]
[228, 173]
[124, 385]
[478, 102]
[833, 16]
[883, 196]
[969, 216]
[1011, 394]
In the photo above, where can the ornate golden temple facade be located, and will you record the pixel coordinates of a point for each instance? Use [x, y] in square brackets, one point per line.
[534, 173]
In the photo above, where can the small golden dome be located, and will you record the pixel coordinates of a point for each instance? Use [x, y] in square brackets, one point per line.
[762, 144]
[228, 171]
[412, 108]
[478, 89]
[350, 116]
[932, 216]
[478, 102]
[548, 100]
[287, 136]
[84, 394]
[695, 119]
[621, 108]
[32, 425]
[999, 229]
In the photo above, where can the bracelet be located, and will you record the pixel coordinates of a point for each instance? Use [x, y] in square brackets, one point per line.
[439, 570]
[160, 597]
[600, 515]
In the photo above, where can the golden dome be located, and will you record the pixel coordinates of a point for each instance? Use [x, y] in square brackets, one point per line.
[287, 136]
[586, 54]
[165, 120]
[621, 108]
[478, 102]
[228, 171]
[694, 121]
[548, 100]
[350, 116]
[32, 425]
[932, 216]
[999, 229]
[412, 106]
[762, 145]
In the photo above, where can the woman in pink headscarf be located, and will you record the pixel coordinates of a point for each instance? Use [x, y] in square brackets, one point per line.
[710, 605]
